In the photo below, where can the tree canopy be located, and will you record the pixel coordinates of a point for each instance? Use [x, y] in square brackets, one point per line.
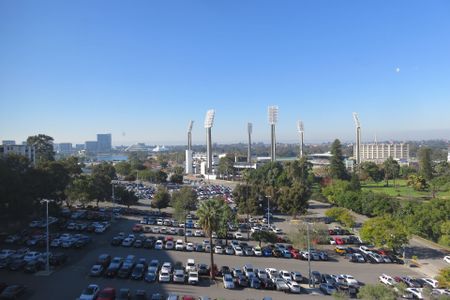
[385, 231]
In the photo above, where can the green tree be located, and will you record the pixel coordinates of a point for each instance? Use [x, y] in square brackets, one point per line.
[391, 170]
[184, 201]
[226, 166]
[102, 175]
[43, 147]
[123, 168]
[161, 199]
[264, 236]
[125, 197]
[337, 168]
[444, 239]
[405, 171]
[318, 234]
[418, 183]
[444, 277]
[376, 292]
[208, 215]
[176, 178]
[294, 200]
[227, 217]
[385, 231]
[341, 215]
[371, 169]
[425, 164]
[81, 190]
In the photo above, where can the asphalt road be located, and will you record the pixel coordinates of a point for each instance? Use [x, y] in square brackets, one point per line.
[69, 281]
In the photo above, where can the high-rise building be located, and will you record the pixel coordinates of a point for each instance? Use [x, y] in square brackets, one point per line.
[65, 148]
[91, 146]
[8, 142]
[79, 147]
[104, 143]
[379, 152]
[24, 150]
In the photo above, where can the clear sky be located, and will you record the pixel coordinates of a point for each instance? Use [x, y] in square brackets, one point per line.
[142, 69]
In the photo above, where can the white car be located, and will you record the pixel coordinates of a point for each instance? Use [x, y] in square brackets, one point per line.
[190, 265]
[193, 277]
[431, 282]
[32, 255]
[377, 257]
[238, 251]
[178, 276]
[261, 274]
[238, 235]
[164, 276]
[257, 250]
[218, 249]
[5, 253]
[447, 259]
[159, 245]
[349, 279]
[189, 247]
[90, 293]
[228, 281]
[199, 233]
[167, 266]
[179, 245]
[155, 229]
[294, 287]
[387, 280]
[296, 276]
[273, 273]
[127, 242]
[417, 293]
[285, 275]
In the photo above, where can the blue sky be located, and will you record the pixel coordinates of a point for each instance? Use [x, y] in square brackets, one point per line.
[142, 69]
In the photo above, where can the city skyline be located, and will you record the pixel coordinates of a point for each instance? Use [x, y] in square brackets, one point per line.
[141, 71]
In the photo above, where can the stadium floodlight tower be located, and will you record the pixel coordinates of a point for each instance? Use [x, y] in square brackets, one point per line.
[209, 120]
[189, 169]
[249, 149]
[357, 147]
[301, 131]
[273, 118]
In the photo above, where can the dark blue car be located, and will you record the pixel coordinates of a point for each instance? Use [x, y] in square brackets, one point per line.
[266, 252]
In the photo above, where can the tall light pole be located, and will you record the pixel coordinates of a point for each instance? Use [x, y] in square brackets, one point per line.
[113, 182]
[188, 166]
[301, 131]
[249, 149]
[47, 265]
[273, 118]
[209, 121]
[357, 147]
[309, 256]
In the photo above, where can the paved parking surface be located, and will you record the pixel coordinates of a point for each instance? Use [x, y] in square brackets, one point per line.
[69, 281]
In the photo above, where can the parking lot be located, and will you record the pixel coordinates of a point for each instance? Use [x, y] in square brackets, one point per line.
[68, 281]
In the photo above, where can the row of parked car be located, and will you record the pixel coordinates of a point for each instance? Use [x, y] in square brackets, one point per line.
[93, 291]
[365, 254]
[67, 240]
[12, 291]
[414, 286]
[235, 247]
[28, 261]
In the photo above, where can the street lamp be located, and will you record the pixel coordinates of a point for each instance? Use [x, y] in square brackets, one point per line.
[309, 255]
[47, 265]
[113, 199]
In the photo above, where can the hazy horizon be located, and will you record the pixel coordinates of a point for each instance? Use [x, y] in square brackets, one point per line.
[141, 70]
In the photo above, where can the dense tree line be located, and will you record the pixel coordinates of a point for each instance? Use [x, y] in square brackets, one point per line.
[286, 186]
[429, 219]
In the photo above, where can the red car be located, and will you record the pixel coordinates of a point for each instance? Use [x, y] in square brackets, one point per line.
[187, 298]
[137, 228]
[107, 294]
[295, 254]
[339, 241]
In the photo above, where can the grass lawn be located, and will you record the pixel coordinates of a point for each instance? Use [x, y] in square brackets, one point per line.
[400, 190]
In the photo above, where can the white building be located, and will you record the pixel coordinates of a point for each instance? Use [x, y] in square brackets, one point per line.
[379, 152]
[24, 150]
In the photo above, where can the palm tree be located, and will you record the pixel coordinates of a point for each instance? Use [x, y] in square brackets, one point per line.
[209, 219]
